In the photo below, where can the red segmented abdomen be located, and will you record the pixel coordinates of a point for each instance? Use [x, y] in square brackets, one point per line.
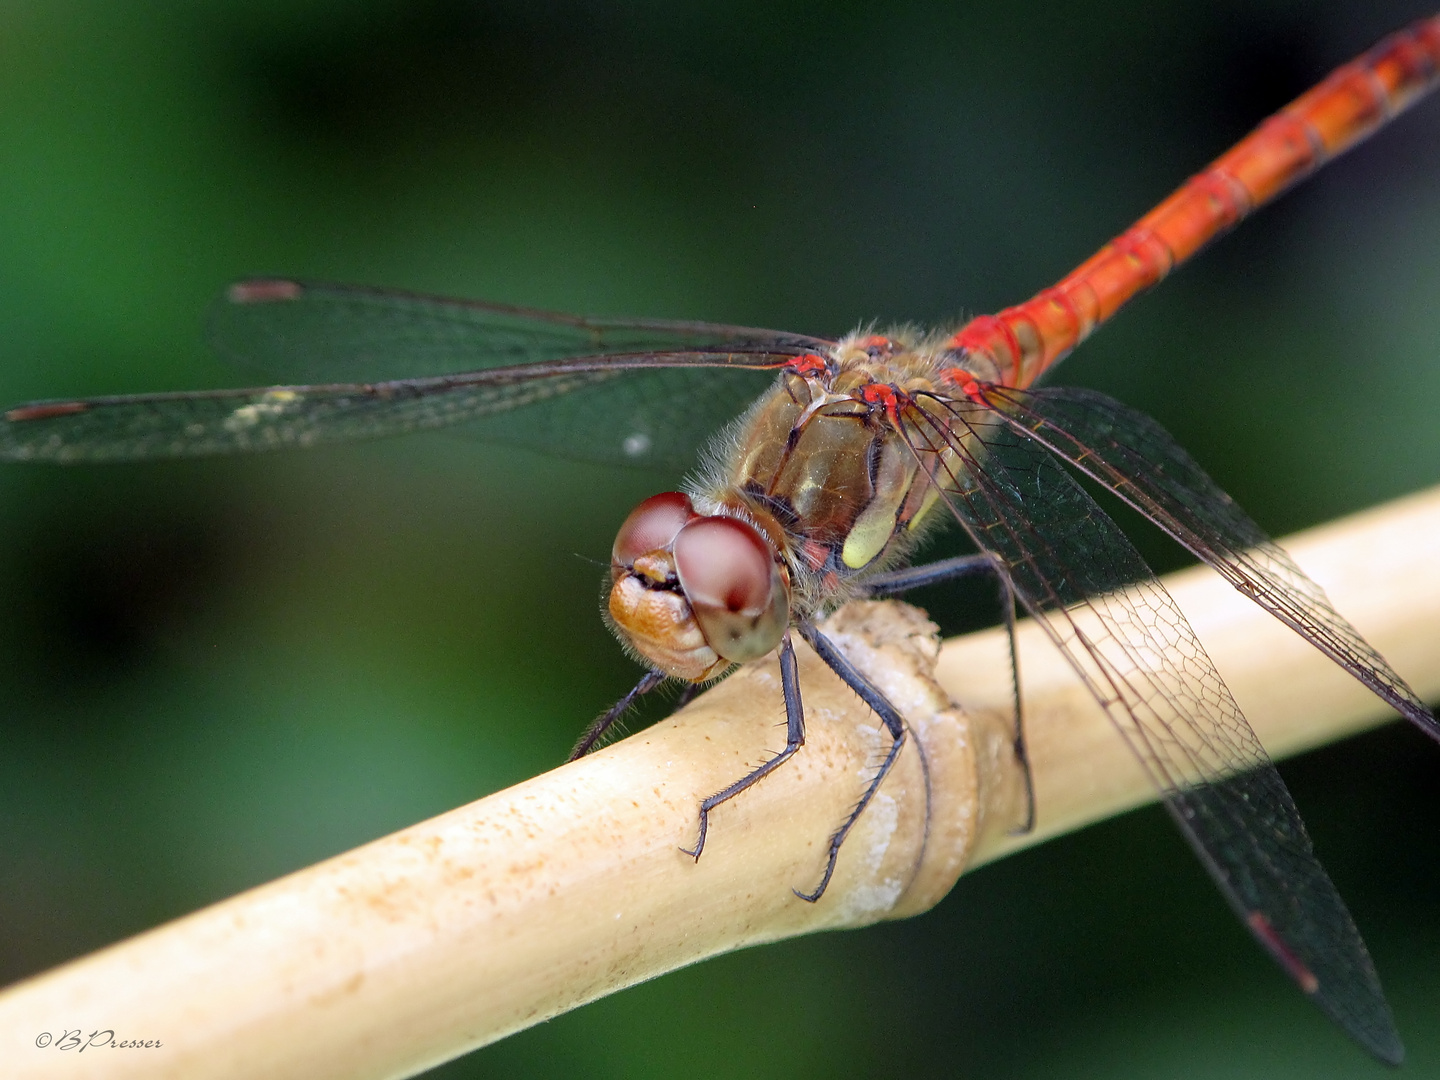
[1018, 345]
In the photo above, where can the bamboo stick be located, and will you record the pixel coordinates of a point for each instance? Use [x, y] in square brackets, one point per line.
[460, 930]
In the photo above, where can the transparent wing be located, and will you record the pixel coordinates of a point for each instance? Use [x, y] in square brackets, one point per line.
[632, 409]
[1138, 460]
[1085, 584]
[362, 363]
[312, 332]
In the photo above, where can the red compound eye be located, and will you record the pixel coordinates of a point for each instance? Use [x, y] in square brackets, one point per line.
[736, 591]
[724, 565]
[651, 526]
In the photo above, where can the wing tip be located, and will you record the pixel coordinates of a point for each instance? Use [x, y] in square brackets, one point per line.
[1376, 1032]
[1384, 1045]
[263, 291]
[1392, 1052]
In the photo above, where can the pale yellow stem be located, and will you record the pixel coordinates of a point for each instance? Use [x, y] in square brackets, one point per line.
[1381, 570]
[460, 930]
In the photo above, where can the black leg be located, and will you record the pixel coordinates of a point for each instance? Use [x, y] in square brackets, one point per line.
[912, 577]
[1022, 756]
[596, 731]
[794, 739]
[894, 724]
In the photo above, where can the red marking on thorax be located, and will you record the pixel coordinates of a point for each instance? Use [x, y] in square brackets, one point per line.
[884, 395]
[966, 382]
[809, 364]
[879, 394]
[814, 553]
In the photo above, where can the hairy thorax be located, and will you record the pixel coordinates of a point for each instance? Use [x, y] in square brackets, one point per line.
[842, 462]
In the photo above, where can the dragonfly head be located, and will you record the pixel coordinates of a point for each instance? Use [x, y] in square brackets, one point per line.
[694, 593]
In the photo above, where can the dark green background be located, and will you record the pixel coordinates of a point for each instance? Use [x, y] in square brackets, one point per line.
[213, 673]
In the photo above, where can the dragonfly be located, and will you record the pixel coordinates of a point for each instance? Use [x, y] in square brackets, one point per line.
[819, 492]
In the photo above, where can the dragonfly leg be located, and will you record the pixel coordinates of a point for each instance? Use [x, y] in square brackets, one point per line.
[894, 724]
[893, 582]
[912, 577]
[596, 731]
[794, 739]
[1022, 754]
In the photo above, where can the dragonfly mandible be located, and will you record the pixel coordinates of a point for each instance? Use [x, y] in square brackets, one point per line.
[853, 448]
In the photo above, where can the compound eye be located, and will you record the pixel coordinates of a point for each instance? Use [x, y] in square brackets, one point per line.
[651, 526]
[724, 565]
[737, 593]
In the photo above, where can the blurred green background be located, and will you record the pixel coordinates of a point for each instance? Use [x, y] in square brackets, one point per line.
[216, 672]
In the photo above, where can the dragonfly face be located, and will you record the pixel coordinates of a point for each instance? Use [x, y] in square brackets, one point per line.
[693, 593]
